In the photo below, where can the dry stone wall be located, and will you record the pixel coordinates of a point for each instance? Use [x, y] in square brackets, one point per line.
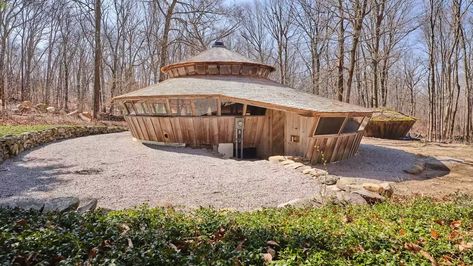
[11, 146]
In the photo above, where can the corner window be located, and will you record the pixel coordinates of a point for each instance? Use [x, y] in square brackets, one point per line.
[129, 108]
[139, 108]
[352, 125]
[230, 108]
[160, 108]
[329, 125]
[255, 110]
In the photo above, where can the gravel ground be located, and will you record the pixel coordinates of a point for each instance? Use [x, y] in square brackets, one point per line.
[123, 173]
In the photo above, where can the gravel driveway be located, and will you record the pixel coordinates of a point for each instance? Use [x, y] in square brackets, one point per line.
[123, 173]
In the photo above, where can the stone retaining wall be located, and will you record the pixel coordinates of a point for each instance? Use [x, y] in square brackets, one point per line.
[11, 146]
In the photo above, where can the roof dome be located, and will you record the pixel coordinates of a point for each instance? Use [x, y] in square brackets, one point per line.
[218, 60]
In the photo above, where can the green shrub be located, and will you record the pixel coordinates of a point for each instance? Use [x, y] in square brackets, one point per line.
[413, 233]
[18, 129]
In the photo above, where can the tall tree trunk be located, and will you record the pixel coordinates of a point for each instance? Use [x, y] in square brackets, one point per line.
[341, 51]
[97, 59]
[163, 56]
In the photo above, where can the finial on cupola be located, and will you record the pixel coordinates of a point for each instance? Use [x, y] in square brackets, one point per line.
[218, 44]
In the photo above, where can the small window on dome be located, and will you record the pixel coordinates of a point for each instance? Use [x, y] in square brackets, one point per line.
[225, 70]
[236, 69]
[190, 69]
[201, 69]
[212, 69]
[329, 125]
[255, 110]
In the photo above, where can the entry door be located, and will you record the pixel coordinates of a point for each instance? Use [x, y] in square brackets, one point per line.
[277, 132]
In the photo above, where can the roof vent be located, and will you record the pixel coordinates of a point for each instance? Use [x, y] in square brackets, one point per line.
[218, 44]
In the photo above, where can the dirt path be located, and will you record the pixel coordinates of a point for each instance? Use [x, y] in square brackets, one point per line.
[123, 173]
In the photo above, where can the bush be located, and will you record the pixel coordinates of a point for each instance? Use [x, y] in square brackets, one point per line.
[419, 232]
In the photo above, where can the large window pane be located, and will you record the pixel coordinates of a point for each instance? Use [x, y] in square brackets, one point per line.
[329, 125]
[255, 110]
[352, 125]
[205, 107]
[181, 107]
[230, 108]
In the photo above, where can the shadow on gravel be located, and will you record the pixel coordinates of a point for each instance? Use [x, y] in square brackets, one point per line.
[387, 164]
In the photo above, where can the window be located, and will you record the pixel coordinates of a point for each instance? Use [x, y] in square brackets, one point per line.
[255, 110]
[329, 125]
[129, 108]
[205, 107]
[160, 108]
[148, 108]
[230, 108]
[352, 125]
[139, 108]
[180, 107]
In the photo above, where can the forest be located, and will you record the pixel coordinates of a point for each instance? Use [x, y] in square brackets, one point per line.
[411, 56]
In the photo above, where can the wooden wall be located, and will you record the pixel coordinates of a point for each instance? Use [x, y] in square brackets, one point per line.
[269, 134]
[388, 129]
[194, 131]
[325, 149]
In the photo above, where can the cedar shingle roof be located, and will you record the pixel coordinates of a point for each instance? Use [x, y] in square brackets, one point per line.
[260, 91]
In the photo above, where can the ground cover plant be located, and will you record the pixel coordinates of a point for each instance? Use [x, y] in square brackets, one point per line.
[18, 129]
[418, 232]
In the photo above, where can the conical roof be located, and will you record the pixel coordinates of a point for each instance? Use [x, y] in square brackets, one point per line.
[218, 54]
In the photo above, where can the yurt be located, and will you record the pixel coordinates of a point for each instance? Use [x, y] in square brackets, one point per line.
[222, 100]
[389, 124]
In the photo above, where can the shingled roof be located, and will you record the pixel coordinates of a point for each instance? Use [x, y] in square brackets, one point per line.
[249, 88]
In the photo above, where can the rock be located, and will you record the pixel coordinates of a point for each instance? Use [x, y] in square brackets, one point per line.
[25, 106]
[41, 107]
[345, 198]
[318, 173]
[276, 159]
[333, 188]
[384, 189]
[271, 251]
[286, 162]
[307, 170]
[417, 168]
[300, 203]
[435, 164]
[51, 109]
[369, 196]
[62, 204]
[303, 168]
[24, 204]
[294, 165]
[87, 205]
[328, 179]
[268, 258]
[373, 187]
[388, 190]
[349, 184]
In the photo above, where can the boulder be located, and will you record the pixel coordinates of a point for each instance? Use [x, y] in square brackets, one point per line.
[41, 107]
[301, 203]
[384, 189]
[294, 165]
[345, 198]
[62, 204]
[318, 172]
[24, 204]
[87, 205]
[286, 162]
[51, 109]
[370, 197]
[304, 168]
[276, 158]
[328, 179]
[417, 168]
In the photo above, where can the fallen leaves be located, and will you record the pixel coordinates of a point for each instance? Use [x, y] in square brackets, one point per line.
[464, 246]
[418, 249]
[434, 234]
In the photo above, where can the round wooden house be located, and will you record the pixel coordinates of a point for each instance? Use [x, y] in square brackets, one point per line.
[389, 124]
[222, 100]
